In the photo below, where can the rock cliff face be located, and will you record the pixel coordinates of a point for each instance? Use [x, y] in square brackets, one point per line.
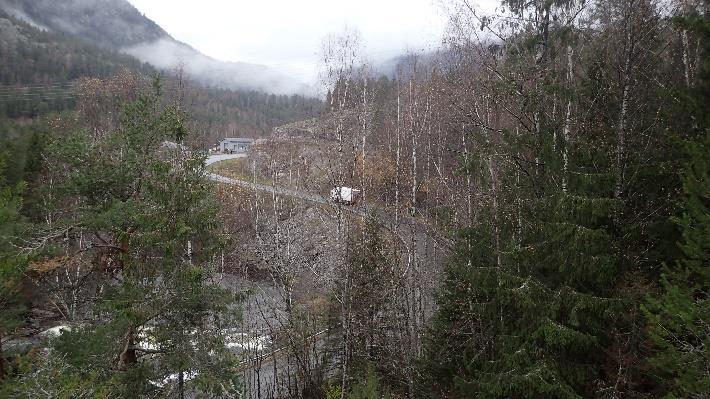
[323, 128]
[310, 128]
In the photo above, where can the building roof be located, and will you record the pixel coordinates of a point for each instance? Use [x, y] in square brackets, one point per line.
[239, 139]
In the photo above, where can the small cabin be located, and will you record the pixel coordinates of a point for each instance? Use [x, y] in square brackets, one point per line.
[235, 145]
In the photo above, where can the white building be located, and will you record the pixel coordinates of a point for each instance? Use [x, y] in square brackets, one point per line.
[235, 145]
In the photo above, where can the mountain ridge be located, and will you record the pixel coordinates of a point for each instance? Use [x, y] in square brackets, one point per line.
[119, 25]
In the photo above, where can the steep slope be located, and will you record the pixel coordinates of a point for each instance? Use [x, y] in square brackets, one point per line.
[32, 56]
[41, 67]
[38, 70]
[110, 23]
[118, 25]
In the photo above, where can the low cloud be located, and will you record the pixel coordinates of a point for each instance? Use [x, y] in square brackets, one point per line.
[21, 15]
[117, 24]
[169, 54]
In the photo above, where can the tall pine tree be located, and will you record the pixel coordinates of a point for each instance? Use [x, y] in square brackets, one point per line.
[528, 302]
[11, 264]
[138, 224]
[679, 315]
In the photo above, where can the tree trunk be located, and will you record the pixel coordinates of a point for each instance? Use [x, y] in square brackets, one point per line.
[397, 162]
[686, 60]
[412, 131]
[469, 185]
[623, 113]
[3, 372]
[568, 120]
[128, 356]
[181, 385]
[364, 139]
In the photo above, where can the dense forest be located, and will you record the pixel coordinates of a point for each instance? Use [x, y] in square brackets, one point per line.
[533, 222]
[41, 72]
[564, 145]
[39, 68]
[111, 24]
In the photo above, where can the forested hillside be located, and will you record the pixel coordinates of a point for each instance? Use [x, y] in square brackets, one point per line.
[109, 23]
[223, 113]
[39, 68]
[118, 25]
[40, 72]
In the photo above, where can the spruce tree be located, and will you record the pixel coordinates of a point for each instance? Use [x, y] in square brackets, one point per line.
[529, 319]
[372, 278]
[528, 301]
[679, 314]
[11, 264]
[138, 216]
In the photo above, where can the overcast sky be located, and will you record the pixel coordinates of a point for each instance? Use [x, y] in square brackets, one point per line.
[288, 34]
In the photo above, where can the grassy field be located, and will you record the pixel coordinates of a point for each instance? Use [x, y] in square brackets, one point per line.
[238, 168]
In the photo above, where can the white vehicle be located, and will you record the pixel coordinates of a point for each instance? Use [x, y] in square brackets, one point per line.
[244, 342]
[345, 195]
[55, 332]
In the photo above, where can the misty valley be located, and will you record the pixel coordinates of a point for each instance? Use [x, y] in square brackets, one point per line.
[354, 200]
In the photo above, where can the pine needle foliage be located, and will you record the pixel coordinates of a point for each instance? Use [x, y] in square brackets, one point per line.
[11, 265]
[679, 314]
[140, 220]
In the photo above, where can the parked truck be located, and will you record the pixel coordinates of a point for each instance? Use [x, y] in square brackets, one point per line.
[345, 195]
